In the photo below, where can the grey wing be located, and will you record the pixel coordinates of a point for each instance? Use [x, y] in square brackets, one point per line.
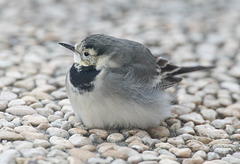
[167, 71]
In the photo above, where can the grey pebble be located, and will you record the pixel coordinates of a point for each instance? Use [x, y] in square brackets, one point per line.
[9, 156]
[212, 156]
[96, 139]
[223, 151]
[53, 131]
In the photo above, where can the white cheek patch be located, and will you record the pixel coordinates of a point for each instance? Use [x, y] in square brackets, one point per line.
[76, 58]
[104, 61]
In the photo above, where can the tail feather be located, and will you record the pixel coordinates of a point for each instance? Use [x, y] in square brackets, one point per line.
[183, 70]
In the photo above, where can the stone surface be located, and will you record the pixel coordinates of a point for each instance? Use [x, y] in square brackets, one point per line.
[159, 132]
[194, 117]
[115, 137]
[21, 110]
[209, 131]
[183, 153]
[83, 155]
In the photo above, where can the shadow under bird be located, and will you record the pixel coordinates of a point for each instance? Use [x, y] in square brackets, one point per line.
[118, 83]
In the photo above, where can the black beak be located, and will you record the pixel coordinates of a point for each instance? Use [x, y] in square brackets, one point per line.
[68, 46]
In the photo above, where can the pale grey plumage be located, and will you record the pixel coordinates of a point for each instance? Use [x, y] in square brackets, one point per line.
[119, 83]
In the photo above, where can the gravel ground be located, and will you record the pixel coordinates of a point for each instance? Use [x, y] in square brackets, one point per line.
[37, 123]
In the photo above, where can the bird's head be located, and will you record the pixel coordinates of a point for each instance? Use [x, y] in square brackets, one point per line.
[95, 50]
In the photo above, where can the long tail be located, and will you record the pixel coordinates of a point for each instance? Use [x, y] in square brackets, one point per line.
[183, 70]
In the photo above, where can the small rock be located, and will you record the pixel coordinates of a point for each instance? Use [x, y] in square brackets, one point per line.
[119, 161]
[176, 141]
[41, 142]
[231, 86]
[231, 110]
[223, 151]
[138, 145]
[77, 131]
[158, 132]
[134, 159]
[231, 160]
[115, 137]
[212, 156]
[115, 154]
[209, 131]
[182, 153]
[61, 142]
[235, 137]
[11, 136]
[100, 132]
[66, 126]
[209, 114]
[21, 110]
[91, 148]
[196, 145]
[3, 105]
[194, 117]
[219, 124]
[96, 139]
[186, 130]
[31, 136]
[163, 145]
[216, 162]
[7, 96]
[200, 153]
[9, 156]
[52, 131]
[32, 152]
[83, 155]
[180, 110]
[16, 102]
[165, 152]
[35, 119]
[79, 140]
[168, 161]
[27, 84]
[98, 160]
[197, 160]
[25, 128]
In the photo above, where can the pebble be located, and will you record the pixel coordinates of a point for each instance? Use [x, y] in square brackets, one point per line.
[231, 160]
[209, 131]
[7, 96]
[115, 137]
[115, 154]
[216, 162]
[165, 152]
[186, 130]
[223, 151]
[98, 160]
[25, 128]
[32, 152]
[212, 156]
[100, 132]
[52, 131]
[182, 153]
[16, 102]
[200, 153]
[91, 148]
[134, 159]
[79, 141]
[194, 117]
[9, 156]
[77, 131]
[96, 139]
[168, 161]
[3, 105]
[197, 160]
[180, 110]
[196, 145]
[231, 110]
[119, 161]
[61, 142]
[158, 132]
[163, 145]
[231, 86]
[138, 145]
[83, 155]
[27, 84]
[176, 141]
[11, 136]
[209, 114]
[41, 142]
[21, 110]
[235, 137]
[31, 136]
[35, 119]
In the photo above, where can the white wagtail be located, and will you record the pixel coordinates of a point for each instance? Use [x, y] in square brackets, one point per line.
[118, 83]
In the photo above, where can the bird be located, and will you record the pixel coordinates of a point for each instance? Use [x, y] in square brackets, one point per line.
[118, 83]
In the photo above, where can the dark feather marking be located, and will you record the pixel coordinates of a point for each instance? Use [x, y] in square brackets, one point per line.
[82, 77]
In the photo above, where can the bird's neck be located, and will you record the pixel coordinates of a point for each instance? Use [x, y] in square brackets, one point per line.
[82, 77]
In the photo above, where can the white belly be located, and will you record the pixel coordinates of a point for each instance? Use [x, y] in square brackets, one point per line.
[96, 110]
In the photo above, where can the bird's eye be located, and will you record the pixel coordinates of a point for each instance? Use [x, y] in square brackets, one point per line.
[86, 54]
